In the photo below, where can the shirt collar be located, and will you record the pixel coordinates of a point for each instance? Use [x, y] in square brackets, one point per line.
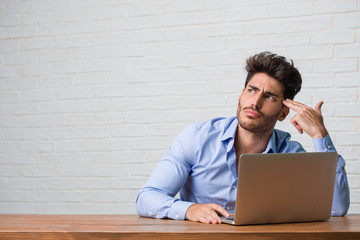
[230, 131]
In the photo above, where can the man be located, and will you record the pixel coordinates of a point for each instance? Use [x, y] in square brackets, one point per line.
[202, 161]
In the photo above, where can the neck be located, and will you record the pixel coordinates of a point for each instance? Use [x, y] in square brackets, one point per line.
[249, 142]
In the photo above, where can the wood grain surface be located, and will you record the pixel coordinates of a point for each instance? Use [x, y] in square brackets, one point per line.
[134, 227]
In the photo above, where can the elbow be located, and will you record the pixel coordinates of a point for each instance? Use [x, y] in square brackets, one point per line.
[340, 210]
[139, 208]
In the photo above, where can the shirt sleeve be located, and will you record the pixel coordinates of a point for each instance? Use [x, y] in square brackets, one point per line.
[157, 198]
[341, 198]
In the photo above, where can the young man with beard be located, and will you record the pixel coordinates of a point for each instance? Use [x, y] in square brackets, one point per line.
[202, 161]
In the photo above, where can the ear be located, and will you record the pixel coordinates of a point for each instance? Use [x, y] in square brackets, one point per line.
[284, 112]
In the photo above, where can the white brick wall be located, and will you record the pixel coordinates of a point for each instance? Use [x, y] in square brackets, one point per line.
[93, 92]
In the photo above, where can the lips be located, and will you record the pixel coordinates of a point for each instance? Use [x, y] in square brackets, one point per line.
[252, 113]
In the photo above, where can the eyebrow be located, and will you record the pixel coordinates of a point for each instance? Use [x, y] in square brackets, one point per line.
[266, 92]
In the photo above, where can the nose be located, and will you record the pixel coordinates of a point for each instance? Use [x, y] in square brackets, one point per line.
[257, 101]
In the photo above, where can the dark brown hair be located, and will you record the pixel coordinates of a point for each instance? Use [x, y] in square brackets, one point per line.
[276, 67]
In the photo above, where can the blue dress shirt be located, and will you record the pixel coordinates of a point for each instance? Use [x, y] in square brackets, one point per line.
[201, 164]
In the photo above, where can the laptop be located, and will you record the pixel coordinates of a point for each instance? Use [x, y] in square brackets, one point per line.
[284, 187]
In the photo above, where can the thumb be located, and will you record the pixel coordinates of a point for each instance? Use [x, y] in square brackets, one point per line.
[318, 107]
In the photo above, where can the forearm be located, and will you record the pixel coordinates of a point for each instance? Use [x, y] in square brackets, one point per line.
[152, 203]
[341, 198]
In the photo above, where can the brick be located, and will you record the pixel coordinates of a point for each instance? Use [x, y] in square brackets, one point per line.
[335, 96]
[8, 72]
[15, 7]
[74, 146]
[21, 183]
[144, 36]
[336, 125]
[228, 29]
[184, 34]
[111, 145]
[121, 24]
[246, 42]
[291, 9]
[185, 19]
[248, 13]
[73, 93]
[59, 183]
[39, 171]
[58, 208]
[111, 171]
[21, 159]
[146, 10]
[335, 66]
[10, 97]
[112, 196]
[334, 6]
[347, 21]
[10, 196]
[74, 196]
[18, 32]
[107, 12]
[348, 80]
[23, 208]
[21, 109]
[289, 40]
[58, 133]
[45, 5]
[70, 15]
[313, 23]
[40, 196]
[22, 134]
[347, 139]
[7, 21]
[96, 208]
[312, 80]
[214, 4]
[348, 110]
[38, 96]
[328, 37]
[54, 81]
[128, 131]
[54, 29]
[348, 51]
[75, 171]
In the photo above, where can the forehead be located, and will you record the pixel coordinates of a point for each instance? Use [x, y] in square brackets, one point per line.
[266, 83]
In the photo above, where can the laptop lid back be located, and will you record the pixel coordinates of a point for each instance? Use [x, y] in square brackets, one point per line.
[285, 187]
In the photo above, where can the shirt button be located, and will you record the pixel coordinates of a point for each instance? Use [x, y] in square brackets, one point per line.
[234, 187]
[329, 146]
[227, 208]
[177, 216]
[158, 216]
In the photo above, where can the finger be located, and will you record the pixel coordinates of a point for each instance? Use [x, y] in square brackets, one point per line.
[295, 106]
[221, 210]
[204, 219]
[296, 125]
[318, 107]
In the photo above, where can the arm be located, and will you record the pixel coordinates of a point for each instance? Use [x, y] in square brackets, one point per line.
[157, 198]
[311, 121]
[341, 198]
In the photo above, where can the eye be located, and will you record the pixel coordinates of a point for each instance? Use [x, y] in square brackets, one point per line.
[270, 97]
[250, 90]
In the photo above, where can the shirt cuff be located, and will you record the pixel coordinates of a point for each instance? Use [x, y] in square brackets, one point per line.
[324, 144]
[178, 209]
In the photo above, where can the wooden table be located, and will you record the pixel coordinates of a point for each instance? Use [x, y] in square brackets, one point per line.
[134, 227]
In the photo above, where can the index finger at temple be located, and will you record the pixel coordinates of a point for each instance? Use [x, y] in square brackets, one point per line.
[296, 106]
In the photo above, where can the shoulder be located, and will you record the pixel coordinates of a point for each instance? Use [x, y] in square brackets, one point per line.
[214, 124]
